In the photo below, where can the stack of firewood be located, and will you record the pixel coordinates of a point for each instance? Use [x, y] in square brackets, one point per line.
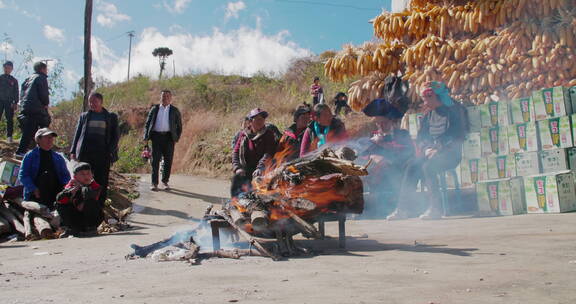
[29, 220]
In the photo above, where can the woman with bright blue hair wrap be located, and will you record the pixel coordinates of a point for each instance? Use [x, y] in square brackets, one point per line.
[439, 143]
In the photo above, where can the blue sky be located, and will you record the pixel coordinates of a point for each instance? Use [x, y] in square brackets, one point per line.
[229, 37]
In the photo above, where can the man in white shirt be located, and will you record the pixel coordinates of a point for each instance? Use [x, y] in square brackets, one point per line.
[163, 128]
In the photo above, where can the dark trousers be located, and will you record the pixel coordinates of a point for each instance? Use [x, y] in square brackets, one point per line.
[241, 184]
[8, 111]
[315, 100]
[29, 124]
[100, 164]
[162, 148]
[427, 170]
[89, 217]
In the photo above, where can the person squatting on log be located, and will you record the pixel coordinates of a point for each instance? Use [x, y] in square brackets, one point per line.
[324, 129]
[43, 172]
[440, 137]
[291, 140]
[78, 204]
[96, 142]
[8, 98]
[254, 146]
[34, 102]
[390, 148]
[164, 128]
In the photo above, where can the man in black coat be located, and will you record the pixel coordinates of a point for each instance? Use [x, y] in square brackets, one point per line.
[96, 141]
[163, 127]
[8, 98]
[34, 103]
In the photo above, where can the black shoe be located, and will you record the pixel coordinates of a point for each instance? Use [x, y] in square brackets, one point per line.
[68, 232]
[89, 232]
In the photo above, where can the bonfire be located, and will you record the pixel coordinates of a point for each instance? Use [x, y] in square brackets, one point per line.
[286, 200]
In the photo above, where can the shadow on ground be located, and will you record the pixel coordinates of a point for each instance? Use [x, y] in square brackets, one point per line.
[207, 198]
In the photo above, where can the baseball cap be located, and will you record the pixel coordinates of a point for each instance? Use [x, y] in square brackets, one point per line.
[257, 111]
[81, 166]
[44, 132]
[8, 63]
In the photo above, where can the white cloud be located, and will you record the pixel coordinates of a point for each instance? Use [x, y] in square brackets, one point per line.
[233, 8]
[109, 14]
[54, 34]
[244, 51]
[177, 6]
[2, 5]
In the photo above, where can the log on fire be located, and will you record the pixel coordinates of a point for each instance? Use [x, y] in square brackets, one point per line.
[290, 195]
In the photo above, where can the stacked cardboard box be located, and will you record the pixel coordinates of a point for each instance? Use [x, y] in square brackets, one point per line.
[519, 154]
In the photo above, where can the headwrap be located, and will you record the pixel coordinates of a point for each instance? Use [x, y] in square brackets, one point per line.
[441, 91]
[382, 107]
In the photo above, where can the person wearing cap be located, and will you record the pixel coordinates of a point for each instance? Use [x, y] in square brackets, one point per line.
[439, 142]
[164, 127]
[316, 91]
[255, 145]
[390, 148]
[96, 141]
[291, 140]
[78, 204]
[43, 172]
[34, 102]
[8, 98]
[324, 129]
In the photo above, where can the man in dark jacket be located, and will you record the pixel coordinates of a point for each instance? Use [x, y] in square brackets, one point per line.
[8, 98]
[255, 145]
[96, 142]
[163, 127]
[34, 103]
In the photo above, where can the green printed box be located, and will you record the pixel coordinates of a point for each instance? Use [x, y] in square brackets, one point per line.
[555, 133]
[472, 148]
[557, 160]
[494, 141]
[521, 111]
[472, 171]
[474, 118]
[9, 173]
[494, 114]
[552, 102]
[501, 166]
[550, 193]
[522, 137]
[501, 197]
[573, 97]
[414, 123]
[527, 163]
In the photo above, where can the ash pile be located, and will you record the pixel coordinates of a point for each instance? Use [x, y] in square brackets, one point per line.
[285, 201]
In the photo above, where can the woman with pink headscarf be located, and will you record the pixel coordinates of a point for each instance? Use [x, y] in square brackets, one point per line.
[439, 143]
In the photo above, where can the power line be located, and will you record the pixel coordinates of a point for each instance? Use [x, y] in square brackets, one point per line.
[107, 40]
[329, 4]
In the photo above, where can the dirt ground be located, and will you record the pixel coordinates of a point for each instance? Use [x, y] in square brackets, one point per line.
[520, 259]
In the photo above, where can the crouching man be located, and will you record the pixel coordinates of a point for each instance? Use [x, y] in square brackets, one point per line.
[78, 203]
[43, 172]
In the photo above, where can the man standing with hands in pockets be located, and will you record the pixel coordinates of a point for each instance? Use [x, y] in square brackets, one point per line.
[163, 128]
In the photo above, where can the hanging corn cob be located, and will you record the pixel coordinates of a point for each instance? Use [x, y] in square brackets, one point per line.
[480, 49]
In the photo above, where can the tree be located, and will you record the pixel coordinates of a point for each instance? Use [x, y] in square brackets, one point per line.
[162, 53]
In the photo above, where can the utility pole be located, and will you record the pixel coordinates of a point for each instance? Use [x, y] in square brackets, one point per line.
[174, 66]
[130, 35]
[87, 53]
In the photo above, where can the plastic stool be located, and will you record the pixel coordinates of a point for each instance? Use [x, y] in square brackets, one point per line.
[444, 190]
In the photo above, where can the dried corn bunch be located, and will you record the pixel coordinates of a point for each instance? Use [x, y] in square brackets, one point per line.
[342, 65]
[363, 91]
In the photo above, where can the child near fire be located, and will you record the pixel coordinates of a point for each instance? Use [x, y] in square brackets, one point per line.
[78, 204]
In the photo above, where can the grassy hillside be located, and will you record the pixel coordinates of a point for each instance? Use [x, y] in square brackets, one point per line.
[212, 107]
